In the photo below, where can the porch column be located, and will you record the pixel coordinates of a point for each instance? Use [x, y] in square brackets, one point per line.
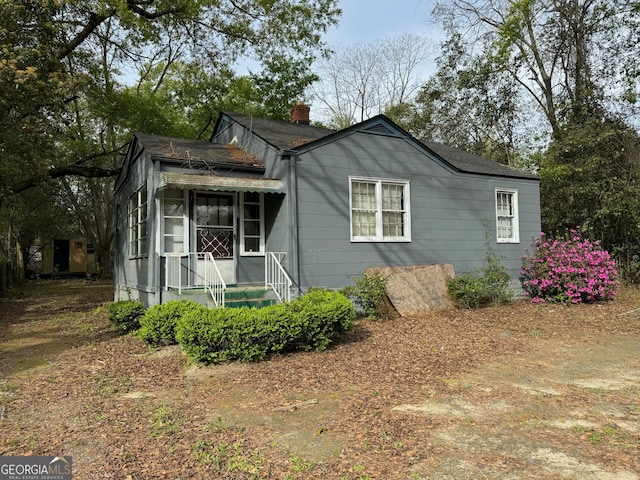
[291, 156]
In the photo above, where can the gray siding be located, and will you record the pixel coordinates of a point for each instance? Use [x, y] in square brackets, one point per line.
[135, 278]
[277, 207]
[451, 212]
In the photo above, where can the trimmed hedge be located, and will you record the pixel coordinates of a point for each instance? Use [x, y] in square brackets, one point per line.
[250, 334]
[321, 315]
[125, 314]
[158, 325]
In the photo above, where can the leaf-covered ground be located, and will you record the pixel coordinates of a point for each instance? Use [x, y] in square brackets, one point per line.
[520, 391]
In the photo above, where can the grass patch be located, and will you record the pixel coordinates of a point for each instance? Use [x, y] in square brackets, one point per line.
[162, 421]
[225, 457]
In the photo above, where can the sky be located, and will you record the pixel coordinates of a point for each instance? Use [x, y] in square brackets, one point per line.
[364, 21]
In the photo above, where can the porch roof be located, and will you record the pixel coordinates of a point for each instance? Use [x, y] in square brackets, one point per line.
[181, 181]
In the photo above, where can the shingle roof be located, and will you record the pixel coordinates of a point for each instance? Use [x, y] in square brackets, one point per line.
[471, 163]
[287, 136]
[197, 151]
[280, 134]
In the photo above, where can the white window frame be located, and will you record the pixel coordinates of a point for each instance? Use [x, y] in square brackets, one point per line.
[513, 217]
[138, 217]
[184, 218]
[379, 235]
[243, 235]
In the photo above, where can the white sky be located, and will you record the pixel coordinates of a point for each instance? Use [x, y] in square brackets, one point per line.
[364, 21]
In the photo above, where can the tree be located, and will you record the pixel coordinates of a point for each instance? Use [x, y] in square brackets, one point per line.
[557, 52]
[590, 177]
[49, 52]
[61, 65]
[469, 104]
[363, 80]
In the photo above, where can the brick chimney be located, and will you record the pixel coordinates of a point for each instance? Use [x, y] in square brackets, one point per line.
[300, 113]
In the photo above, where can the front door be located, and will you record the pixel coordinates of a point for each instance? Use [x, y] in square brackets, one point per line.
[61, 255]
[215, 231]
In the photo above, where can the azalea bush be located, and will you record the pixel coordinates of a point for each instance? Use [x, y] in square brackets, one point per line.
[569, 269]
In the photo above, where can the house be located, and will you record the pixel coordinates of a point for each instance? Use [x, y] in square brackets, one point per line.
[67, 257]
[291, 206]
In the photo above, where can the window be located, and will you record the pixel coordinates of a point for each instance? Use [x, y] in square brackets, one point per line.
[174, 220]
[215, 224]
[379, 210]
[252, 223]
[507, 229]
[138, 223]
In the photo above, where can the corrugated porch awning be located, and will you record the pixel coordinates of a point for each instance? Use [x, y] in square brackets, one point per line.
[181, 181]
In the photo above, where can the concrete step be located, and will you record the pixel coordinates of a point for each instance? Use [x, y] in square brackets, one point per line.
[249, 296]
[235, 296]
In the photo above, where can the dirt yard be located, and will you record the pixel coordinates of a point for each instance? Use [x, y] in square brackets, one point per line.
[516, 392]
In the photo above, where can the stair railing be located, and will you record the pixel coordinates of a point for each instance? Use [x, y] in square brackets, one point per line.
[213, 281]
[276, 277]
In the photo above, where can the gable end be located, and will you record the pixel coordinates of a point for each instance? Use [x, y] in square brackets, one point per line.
[380, 129]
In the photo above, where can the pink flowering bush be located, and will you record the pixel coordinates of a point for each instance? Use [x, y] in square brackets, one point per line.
[570, 270]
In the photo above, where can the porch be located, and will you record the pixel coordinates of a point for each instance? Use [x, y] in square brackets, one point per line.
[198, 276]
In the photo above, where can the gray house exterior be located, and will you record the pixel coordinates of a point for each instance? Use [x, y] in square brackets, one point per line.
[313, 205]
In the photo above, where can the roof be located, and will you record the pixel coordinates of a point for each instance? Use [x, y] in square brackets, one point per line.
[472, 163]
[290, 136]
[282, 135]
[197, 151]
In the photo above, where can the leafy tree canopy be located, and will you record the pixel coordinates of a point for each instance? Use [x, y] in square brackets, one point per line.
[54, 55]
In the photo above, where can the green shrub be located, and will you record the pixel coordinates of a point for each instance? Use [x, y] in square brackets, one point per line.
[250, 334]
[319, 315]
[158, 325]
[219, 335]
[490, 286]
[125, 314]
[370, 294]
[469, 290]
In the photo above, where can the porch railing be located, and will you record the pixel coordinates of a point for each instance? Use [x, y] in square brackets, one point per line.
[276, 277]
[195, 270]
[174, 271]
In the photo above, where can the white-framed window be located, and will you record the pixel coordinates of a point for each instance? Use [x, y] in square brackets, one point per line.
[380, 210]
[507, 228]
[174, 215]
[252, 223]
[138, 223]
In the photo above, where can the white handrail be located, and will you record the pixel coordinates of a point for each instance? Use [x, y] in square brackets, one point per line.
[276, 277]
[213, 281]
[206, 274]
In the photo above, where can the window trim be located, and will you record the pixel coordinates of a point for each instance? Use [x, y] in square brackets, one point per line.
[379, 236]
[140, 212]
[515, 217]
[184, 217]
[261, 251]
